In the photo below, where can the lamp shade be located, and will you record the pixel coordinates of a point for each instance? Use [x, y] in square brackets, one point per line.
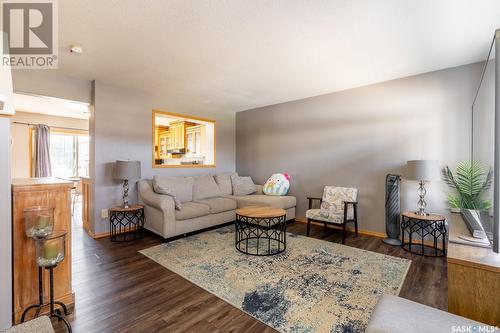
[425, 170]
[126, 170]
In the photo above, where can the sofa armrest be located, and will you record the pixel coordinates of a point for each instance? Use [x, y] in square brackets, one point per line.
[149, 197]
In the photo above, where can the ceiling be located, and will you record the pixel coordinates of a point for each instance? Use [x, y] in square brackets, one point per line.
[233, 55]
[50, 106]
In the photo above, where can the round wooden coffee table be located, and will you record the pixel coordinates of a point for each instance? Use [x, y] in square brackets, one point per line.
[260, 231]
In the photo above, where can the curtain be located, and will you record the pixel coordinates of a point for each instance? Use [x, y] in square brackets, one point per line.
[41, 151]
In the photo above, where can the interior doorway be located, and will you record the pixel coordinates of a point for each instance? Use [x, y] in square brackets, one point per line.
[67, 124]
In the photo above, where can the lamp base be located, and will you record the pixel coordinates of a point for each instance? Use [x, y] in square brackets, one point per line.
[125, 194]
[421, 201]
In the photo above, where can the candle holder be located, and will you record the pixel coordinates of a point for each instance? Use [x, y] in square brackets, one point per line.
[38, 222]
[50, 252]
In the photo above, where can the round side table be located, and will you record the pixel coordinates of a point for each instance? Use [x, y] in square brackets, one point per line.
[125, 224]
[434, 225]
[260, 231]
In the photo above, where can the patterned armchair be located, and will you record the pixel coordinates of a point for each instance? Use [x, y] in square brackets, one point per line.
[338, 206]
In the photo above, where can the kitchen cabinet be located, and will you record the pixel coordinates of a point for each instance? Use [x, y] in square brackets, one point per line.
[195, 137]
[162, 141]
[178, 133]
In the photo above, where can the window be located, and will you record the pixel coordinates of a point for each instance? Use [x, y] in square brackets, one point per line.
[182, 141]
[69, 154]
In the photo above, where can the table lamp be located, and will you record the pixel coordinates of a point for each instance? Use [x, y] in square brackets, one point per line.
[422, 171]
[127, 170]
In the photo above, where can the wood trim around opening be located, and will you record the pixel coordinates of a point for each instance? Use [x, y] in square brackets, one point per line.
[167, 113]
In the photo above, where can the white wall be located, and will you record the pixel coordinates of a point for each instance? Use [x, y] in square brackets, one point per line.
[121, 124]
[5, 226]
[355, 137]
[51, 83]
[20, 137]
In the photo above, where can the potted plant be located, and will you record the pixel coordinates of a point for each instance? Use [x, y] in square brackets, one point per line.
[469, 181]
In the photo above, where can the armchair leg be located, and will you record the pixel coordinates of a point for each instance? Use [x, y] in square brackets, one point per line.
[343, 233]
[308, 226]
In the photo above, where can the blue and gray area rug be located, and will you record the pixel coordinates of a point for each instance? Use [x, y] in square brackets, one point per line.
[314, 286]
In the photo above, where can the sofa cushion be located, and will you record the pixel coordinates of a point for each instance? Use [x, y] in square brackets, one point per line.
[316, 214]
[224, 182]
[180, 188]
[283, 202]
[242, 185]
[205, 187]
[190, 210]
[219, 205]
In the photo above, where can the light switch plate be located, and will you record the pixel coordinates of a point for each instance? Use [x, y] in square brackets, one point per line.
[104, 214]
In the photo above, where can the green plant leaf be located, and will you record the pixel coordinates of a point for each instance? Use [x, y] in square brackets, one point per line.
[470, 180]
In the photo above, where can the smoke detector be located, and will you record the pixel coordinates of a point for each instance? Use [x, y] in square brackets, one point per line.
[76, 48]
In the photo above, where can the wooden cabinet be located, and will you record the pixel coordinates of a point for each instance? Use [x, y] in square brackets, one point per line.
[178, 133]
[473, 278]
[164, 142]
[195, 137]
[48, 192]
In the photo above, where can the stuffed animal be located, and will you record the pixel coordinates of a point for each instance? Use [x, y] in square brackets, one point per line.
[277, 184]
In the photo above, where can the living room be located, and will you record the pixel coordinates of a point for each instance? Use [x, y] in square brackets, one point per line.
[246, 153]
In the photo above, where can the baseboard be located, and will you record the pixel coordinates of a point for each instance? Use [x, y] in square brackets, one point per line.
[106, 233]
[333, 226]
[299, 220]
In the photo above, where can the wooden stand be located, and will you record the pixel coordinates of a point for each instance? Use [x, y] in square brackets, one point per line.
[473, 278]
[49, 192]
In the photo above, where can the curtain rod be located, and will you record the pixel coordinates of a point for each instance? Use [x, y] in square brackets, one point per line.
[65, 128]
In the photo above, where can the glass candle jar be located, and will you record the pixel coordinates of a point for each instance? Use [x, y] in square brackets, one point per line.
[51, 250]
[38, 221]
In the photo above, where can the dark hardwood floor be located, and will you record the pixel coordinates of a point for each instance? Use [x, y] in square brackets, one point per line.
[119, 290]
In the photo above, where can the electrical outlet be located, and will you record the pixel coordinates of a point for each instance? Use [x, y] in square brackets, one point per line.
[104, 214]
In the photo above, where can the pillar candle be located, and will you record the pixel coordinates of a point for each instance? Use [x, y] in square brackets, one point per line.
[43, 221]
[50, 250]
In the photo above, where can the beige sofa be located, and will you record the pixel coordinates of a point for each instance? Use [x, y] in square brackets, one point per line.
[209, 207]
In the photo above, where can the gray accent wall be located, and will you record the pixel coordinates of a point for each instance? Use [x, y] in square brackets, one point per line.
[5, 226]
[121, 125]
[355, 137]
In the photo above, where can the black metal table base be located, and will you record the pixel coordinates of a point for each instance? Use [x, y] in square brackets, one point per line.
[126, 225]
[54, 313]
[260, 236]
[422, 228]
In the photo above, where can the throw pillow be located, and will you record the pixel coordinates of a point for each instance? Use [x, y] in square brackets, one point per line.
[179, 188]
[277, 184]
[224, 182]
[205, 187]
[242, 185]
